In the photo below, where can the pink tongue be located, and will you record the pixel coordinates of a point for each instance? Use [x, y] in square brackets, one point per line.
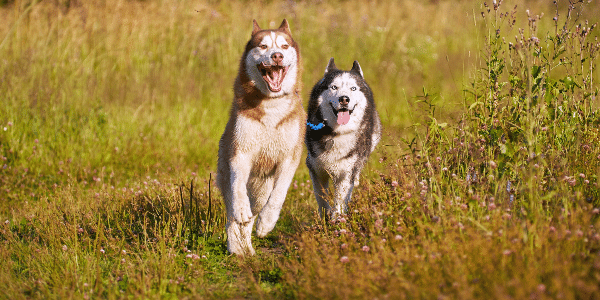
[343, 117]
[275, 76]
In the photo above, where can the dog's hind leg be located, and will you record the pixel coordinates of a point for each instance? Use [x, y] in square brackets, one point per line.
[283, 178]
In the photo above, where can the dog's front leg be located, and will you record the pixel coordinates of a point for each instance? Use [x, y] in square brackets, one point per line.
[269, 214]
[241, 211]
[344, 184]
[320, 180]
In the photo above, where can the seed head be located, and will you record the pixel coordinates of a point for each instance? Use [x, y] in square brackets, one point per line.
[379, 224]
[541, 287]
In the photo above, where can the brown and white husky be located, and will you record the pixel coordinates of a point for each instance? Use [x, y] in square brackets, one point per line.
[263, 140]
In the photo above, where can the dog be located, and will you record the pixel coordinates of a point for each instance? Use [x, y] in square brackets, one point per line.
[343, 128]
[262, 144]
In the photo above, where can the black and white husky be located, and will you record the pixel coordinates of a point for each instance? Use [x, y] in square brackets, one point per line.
[343, 129]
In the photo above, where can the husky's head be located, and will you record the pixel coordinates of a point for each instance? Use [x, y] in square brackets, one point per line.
[272, 60]
[343, 95]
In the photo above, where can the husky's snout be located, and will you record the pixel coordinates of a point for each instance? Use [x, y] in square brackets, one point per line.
[344, 101]
[342, 105]
[343, 112]
[277, 58]
[273, 72]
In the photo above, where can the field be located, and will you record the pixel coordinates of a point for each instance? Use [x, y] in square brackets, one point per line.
[485, 185]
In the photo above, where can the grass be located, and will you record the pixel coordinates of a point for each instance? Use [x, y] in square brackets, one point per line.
[485, 184]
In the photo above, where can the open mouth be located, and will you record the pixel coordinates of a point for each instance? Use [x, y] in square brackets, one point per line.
[343, 114]
[273, 75]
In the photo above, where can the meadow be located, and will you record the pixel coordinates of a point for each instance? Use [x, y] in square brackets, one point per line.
[485, 185]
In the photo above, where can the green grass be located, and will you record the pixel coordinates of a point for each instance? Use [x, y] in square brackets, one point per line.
[485, 184]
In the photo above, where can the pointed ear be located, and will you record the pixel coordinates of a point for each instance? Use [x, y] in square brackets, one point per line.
[330, 66]
[285, 27]
[356, 68]
[255, 28]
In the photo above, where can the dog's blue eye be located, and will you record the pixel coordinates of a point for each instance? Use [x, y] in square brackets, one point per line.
[353, 88]
[263, 47]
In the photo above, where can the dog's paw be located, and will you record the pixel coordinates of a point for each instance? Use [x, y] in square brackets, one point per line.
[337, 212]
[242, 251]
[242, 214]
[265, 223]
[239, 239]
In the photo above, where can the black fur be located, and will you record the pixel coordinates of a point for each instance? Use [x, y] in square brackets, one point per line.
[318, 138]
[341, 163]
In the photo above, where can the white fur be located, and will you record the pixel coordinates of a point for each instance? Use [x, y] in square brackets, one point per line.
[274, 43]
[344, 84]
[259, 150]
[253, 195]
[333, 163]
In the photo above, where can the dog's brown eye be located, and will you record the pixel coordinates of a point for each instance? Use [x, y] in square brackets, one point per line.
[284, 47]
[263, 46]
[353, 88]
[334, 87]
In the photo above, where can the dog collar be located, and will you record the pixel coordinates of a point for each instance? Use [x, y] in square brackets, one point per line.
[315, 127]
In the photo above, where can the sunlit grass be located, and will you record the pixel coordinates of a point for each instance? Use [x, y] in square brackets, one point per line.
[111, 114]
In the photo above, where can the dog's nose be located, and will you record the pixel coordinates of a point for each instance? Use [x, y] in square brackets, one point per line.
[277, 57]
[344, 100]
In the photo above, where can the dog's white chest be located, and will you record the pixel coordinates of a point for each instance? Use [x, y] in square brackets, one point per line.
[272, 134]
[275, 111]
[337, 153]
